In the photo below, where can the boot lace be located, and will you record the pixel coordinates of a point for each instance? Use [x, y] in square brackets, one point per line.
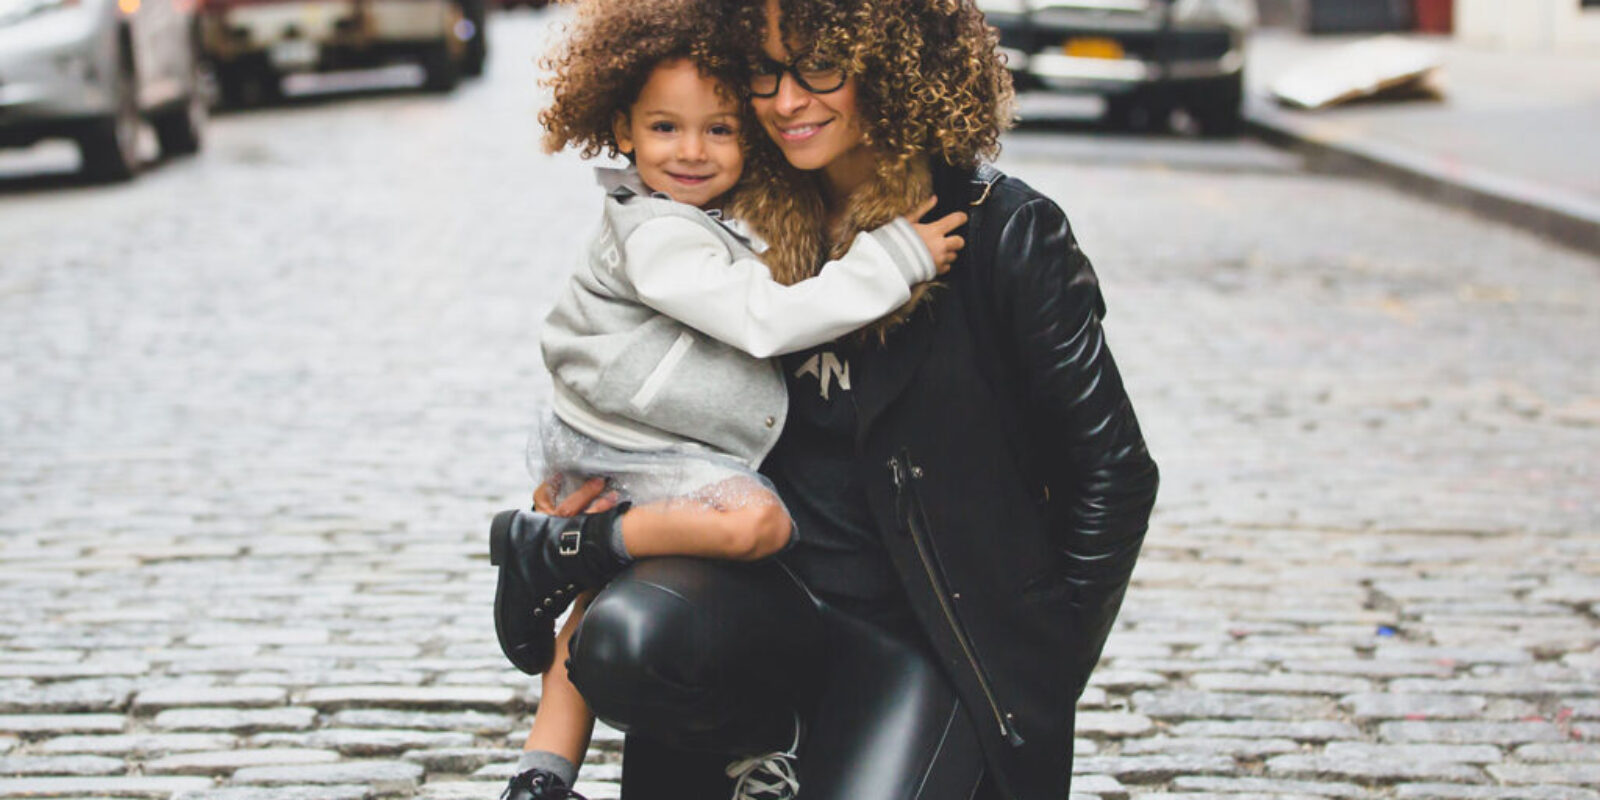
[540, 785]
[764, 777]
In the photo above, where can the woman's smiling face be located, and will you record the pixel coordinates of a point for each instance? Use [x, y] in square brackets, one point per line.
[814, 131]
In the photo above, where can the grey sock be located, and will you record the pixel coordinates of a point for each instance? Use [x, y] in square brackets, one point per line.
[614, 541]
[549, 762]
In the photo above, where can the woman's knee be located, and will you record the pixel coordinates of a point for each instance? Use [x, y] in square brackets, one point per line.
[679, 636]
[630, 646]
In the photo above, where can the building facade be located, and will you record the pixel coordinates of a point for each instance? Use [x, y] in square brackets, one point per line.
[1530, 24]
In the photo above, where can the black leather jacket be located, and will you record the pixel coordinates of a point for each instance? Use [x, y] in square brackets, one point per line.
[1007, 474]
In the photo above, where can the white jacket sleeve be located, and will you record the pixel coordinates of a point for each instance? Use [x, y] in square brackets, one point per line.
[682, 270]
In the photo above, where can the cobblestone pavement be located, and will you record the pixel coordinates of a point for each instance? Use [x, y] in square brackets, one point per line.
[256, 409]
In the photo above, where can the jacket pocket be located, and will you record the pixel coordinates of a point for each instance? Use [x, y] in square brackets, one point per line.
[662, 372]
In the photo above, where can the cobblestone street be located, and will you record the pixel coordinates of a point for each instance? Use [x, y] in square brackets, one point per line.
[257, 407]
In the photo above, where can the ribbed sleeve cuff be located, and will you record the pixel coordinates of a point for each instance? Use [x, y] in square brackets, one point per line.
[906, 250]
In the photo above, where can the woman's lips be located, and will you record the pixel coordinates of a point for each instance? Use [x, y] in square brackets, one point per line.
[800, 133]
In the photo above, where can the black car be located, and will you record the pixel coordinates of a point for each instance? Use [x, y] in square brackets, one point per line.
[1146, 57]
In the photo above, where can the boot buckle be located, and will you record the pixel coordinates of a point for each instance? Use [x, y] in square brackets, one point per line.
[569, 542]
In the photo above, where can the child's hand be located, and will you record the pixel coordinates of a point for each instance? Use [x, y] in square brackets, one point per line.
[936, 234]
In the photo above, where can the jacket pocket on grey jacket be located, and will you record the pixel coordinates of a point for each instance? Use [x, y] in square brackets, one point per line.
[662, 373]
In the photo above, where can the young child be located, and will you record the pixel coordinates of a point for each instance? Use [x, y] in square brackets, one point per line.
[658, 348]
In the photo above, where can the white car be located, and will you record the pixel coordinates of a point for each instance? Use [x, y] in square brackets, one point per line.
[252, 44]
[93, 70]
[1146, 57]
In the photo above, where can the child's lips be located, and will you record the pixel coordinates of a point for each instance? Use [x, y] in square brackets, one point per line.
[692, 180]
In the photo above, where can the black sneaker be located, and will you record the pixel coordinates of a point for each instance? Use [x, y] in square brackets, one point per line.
[767, 777]
[538, 784]
[545, 562]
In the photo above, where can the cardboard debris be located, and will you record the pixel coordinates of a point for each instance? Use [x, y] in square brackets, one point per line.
[1381, 67]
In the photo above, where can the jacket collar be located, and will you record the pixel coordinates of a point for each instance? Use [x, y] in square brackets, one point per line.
[623, 183]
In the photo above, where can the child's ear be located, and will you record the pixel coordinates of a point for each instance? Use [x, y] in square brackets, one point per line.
[623, 132]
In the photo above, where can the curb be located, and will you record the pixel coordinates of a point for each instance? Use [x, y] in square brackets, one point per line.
[1331, 147]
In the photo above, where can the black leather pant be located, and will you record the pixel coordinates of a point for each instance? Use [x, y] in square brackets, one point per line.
[705, 661]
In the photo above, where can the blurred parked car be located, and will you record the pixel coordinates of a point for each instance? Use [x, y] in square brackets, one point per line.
[253, 44]
[93, 70]
[1146, 57]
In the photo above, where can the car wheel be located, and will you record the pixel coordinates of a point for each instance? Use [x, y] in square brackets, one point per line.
[440, 70]
[245, 85]
[1219, 111]
[1136, 111]
[178, 129]
[475, 13]
[110, 146]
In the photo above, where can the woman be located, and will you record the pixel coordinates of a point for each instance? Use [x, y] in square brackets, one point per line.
[969, 482]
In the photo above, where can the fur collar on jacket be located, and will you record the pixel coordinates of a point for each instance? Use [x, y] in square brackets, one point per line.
[785, 206]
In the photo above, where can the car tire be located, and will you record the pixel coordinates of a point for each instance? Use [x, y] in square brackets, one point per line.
[1136, 111]
[245, 85]
[110, 146]
[1220, 110]
[178, 129]
[476, 13]
[440, 70]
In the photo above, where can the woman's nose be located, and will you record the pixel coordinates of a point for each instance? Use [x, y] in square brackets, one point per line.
[791, 96]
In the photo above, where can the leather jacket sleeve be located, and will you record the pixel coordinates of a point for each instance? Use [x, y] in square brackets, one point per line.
[1099, 479]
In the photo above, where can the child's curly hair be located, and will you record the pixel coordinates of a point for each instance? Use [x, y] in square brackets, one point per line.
[607, 55]
[930, 80]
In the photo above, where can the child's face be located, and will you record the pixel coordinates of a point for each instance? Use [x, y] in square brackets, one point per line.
[684, 135]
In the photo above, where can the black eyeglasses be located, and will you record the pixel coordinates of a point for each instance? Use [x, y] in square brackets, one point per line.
[815, 75]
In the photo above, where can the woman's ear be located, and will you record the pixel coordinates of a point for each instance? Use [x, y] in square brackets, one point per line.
[622, 131]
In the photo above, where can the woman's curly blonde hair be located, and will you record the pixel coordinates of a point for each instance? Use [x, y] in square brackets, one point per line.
[607, 55]
[929, 79]
[930, 87]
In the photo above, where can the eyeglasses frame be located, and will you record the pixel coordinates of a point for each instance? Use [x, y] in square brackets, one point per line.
[794, 72]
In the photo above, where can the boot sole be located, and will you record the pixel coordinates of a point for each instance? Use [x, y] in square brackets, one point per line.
[528, 643]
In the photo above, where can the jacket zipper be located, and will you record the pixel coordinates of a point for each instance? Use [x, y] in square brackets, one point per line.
[903, 471]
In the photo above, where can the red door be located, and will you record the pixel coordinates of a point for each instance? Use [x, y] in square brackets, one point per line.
[1435, 16]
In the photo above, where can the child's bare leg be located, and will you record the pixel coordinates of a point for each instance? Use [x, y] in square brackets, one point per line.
[563, 723]
[758, 527]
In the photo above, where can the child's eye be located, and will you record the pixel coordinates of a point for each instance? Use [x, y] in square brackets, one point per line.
[724, 130]
[663, 127]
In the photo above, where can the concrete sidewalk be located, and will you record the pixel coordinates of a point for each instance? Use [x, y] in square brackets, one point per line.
[1513, 138]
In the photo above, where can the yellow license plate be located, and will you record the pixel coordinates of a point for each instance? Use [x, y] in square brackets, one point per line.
[1093, 47]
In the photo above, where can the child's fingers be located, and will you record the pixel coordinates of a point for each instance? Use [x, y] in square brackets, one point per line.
[544, 497]
[950, 222]
[954, 243]
[581, 498]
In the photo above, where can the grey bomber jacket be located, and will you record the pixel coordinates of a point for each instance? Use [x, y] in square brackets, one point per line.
[661, 337]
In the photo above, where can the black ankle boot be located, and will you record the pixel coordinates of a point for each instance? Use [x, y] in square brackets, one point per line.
[537, 784]
[544, 563]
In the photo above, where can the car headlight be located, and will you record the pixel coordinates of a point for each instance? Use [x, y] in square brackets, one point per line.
[1215, 13]
[1013, 7]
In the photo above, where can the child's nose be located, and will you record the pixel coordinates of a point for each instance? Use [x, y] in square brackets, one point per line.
[692, 148]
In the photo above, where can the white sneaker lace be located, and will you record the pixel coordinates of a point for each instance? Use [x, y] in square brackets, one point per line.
[764, 777]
